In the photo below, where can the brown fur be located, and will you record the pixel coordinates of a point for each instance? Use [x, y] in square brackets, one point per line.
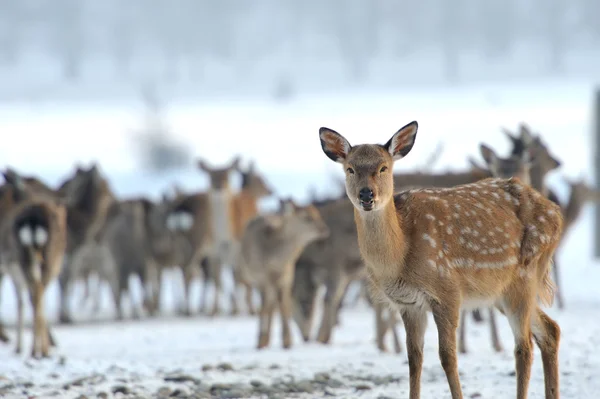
[34, 266]
[416, 264]
[270, 247]
[245, 208]
[87, 213]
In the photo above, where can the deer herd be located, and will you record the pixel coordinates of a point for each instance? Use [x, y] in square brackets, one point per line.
[450, 244]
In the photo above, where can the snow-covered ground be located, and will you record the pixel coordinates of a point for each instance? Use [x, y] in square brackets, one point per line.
[283, 141]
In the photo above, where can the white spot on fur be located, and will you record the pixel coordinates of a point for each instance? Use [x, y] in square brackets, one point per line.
[430, 216]
[456, 216]
[432, 263]
[542, 219]
[40, 236]
[432, 242]
[496, 195]
[478, 223]
[25, 236]
[440, 254]
[507, 196]
[449, 229]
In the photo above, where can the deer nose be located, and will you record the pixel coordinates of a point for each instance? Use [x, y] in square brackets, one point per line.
[365, 194]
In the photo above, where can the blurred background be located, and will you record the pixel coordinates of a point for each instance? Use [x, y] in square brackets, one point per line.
[144, 88]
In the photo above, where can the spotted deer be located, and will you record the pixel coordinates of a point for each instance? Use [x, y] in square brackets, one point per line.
[33, 239]
[440, 250]
[516, 165]
[270, 247]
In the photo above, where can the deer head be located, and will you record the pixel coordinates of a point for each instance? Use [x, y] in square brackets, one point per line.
[254, 182]
[219, 177]
[368, 167]
[513, 166]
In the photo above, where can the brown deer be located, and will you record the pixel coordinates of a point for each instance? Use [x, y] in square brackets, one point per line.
[245, 208]
[270, 246]
[440, 250]
[188, 217]
[545, 163]
[15, 191]
[33, 239]
[518, 166]
[333, 262]
[221, 197]
[90, 200]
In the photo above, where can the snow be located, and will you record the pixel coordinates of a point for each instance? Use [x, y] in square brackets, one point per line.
[282, 138]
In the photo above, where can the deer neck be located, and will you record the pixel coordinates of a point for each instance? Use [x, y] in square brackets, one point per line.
[221, 215]
[381, 240]
[572, 211]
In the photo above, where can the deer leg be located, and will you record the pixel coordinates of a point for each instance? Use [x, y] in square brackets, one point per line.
[494, 331]
[558, 293]
[380, 327]
[392, 322]
[284, 298]
[446, 319]
[216, 273]
[38, 329]
[249, 299]
[65, 289]
[51, 339]
[3, 335]
[184, 304]
[518, 312]
[546, 334]
[333, 297]
[462, 345]
[19, 293]
[205, 273]
[268, 299]
[415, 324]
[477, 317]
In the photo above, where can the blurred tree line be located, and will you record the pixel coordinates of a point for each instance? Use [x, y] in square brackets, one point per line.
[240, 33]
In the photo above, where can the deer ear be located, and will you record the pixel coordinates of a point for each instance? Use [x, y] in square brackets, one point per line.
[235, 164]
[402, 142]
[203, 166]
[526, 135]
[334, 145]
[489, 156]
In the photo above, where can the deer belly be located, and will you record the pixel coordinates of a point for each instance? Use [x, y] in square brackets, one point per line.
[403, 294]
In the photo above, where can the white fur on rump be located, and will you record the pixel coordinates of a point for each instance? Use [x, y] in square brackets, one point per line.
[26, 236]
[40, 236]
[186, 221]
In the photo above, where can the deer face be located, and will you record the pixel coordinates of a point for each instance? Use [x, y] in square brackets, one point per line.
[307, 221]
[255, 183]
[368, 167]
[219, 177]
[514, 166]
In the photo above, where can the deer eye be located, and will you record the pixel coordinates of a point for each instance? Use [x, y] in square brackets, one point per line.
[350, 170]
[383, 169]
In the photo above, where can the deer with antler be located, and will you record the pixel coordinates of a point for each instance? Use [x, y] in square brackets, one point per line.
[424, 252]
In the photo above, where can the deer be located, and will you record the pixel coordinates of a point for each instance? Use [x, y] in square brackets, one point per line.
[244, 209]
[221, 197]
[424, 253]
[188, 218]
[269, 249]
[333, 262]
[91, 199]
[33, 239]
[17, 189]
[516, 165]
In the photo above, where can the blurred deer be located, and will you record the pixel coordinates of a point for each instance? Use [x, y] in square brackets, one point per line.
[270, 247]
[33, 239]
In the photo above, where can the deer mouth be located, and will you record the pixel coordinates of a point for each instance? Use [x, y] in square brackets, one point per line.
[367, 205]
